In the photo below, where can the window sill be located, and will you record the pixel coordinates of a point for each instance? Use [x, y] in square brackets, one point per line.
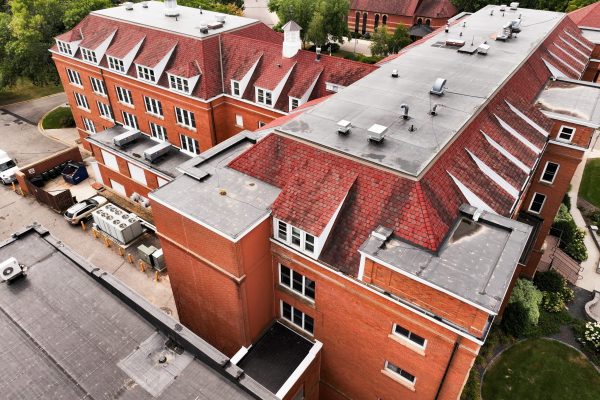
[406, 384]
[126, 104]
[84, 109]
[107, 118]
[305, 300]
[101, 95]
[239, 126]
[189, 128]
[296, 328]
[76, 85]
[407, 343]
[546, 183]
[161, 117]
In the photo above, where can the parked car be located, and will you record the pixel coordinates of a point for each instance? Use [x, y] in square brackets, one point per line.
[8, 168]
[83, 210]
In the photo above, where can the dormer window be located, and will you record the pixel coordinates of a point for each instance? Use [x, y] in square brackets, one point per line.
[294, 103]
[235, 88]
[64, 48]
[332, 87]
[179, 84]
[145, 73]
[295, 237]
[264, 97]
[89, 55]
[116, 64]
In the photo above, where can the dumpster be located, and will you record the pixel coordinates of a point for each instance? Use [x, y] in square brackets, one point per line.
[74, 173]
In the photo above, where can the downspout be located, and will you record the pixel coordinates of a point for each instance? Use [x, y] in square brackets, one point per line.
[456, 345]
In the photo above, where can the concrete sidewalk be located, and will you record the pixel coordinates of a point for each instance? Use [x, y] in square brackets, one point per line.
[590, 278]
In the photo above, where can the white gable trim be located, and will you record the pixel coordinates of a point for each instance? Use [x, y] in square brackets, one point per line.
[573, 47]
[471, 197]
[517, 135]
[506, 153]
[570, 55]
[565, 64]
[525, 118]
[128, 59]
[557, 73]
[579, 41]
[490, 173]
[279, 88]
[101, 50]
[247, 77]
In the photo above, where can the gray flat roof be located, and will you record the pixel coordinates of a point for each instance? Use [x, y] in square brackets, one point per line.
[166, 165]
[591, 34]
[217, 196]
[476, 262]
[71, 331]
[186, 23]
[571, 99]
[377, 98]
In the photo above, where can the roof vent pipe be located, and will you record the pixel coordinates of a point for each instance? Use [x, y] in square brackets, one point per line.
[394, 73]
[405, 108]
[200, 8]
[144, 4]
[171, 9]
[434, 109]
[447, 29]
[318, 51]
[438, 87]
[128, 5]
[221, 18]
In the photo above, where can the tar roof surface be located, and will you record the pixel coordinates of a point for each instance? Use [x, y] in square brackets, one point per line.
[377, 98]
[167, 164]
[216, 195]
[63, 335]
[573, 99]
[593, 35]
[187, 22]
[477, 261]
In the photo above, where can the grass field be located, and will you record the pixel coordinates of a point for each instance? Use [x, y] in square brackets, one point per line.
[539, 369]
[25, 90]
[590, 183]
[59, 118]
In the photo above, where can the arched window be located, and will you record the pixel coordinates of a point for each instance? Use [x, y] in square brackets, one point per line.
[420, 21]
[357, 22]
[427, 22]
[364, 27]
[384, 20]
[376, 22]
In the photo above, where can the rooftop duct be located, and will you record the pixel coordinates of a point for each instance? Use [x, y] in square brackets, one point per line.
[343, 127]
[439, 87]
[514, 5]
[128, 5]
[377, 133]
[171, 9]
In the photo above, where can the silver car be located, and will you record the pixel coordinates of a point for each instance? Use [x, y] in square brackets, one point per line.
[83, 210]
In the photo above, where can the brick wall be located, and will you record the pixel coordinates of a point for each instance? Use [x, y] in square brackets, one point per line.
[36, 168]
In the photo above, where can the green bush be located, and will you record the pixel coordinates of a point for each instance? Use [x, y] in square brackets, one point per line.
[595, 217]
[572, 236]
[525, 293]
[352, 57]
[567, 294]
[567, 201]
[549, 281]
[553, 302]
[472, 388]
[516, 320]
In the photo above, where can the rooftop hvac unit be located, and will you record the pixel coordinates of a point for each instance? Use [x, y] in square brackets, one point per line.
[117, 223]
[10, 270]
[439, 87]
[515, 25]
[502, 7]
[127, 137]
[158, 260]
[128, 5]
[377, 132]
[203, 28]
[514, 6]
[221, 18]
[344, 127]
[483, 48]
[146, 253]
[154, 152]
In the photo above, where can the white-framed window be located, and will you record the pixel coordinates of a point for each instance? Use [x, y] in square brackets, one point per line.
[179, 84]
[110, 160]
[400, 373]
[189, 145]
[297, 317]
[98, 86]
[105, 111]
[566, 133]
[537, 203]
[137, 173]
[294, 236]
[117, 187]
[89, 55]
[153, 106]
[235, 88]
[332, 87]
[297, 282]
[408, 335]
[116, 64]
[145, 73]
[294, 103]
[158, 132]
[185, 118]
[89, 125]
[264, 97]
[64, 48]
[129, 120]
[261, 124]
[74, 77]
[124, 95]
[81, 101]
[550, 171]
[239, 120]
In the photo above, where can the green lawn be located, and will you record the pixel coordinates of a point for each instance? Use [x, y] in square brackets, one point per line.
[539, 369]
[25, 90]
[590, 183]
[59, 118]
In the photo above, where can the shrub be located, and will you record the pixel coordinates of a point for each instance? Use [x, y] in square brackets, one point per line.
[549, 323]
[572, 236]
[525, 293]
[567, 294]
[591, 335]
[567, 201]
[549, 281]
[516, 320]
[595, 217]
[366, 36]
[472, 388]
[352, 57]
[553, 302]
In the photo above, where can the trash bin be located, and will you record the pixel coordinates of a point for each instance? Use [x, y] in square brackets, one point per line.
[74, 173]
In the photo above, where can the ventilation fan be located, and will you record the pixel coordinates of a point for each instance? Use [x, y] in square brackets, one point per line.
[10, 270]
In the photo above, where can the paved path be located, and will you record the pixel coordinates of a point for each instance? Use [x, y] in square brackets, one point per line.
[591, 279]
[34, 110]
[357, 45]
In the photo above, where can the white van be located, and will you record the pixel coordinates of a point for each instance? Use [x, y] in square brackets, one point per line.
[8, 168]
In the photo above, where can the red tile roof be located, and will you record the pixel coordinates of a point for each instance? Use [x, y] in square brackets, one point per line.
[71, 36]
[436, 9]
[392, 7]
[124, 42]
[91, 40]
[188, 70]
[587, 16]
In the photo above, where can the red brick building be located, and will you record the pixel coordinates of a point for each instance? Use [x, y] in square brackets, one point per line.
[421, 15]
[588, 20]
[390, 220]
[190, 81]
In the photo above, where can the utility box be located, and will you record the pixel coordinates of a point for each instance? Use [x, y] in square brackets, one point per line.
[158, 260]
[118, 223]
[146, 253]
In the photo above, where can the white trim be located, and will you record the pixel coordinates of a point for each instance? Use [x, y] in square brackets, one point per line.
[210, 228]
[291, 320]
[573, 47]
[490, 173]
[291, 284]
[557, 73]
[568, 145]
[383, 296]
[241, 353]
[299, 371]
[518, 136]
[525, 118]
[570, 139]
[566, 118]
[578, 41]
[407, 339]
[471, 197]
[570, 55]
[506, 153]
[565, 64]
[544, 172]
[531, 203]
[399, 378]
[361, 267]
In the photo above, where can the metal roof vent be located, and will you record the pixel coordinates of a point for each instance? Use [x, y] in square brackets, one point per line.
[515, 25]
[438, 87]
[483, 48]
[171, 9]
[514, 5]
[221, 18]
[203, 28]
[10, 270]
[128, 5]
[144, 4]
[344, 127]
[377, 133]
[394, 73]
[502, 7]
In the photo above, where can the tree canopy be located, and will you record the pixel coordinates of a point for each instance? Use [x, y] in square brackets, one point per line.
[384, 43]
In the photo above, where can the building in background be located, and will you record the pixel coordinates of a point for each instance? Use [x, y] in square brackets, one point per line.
[186, 79]
[588, 20]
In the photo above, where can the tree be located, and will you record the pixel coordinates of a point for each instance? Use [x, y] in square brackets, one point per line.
[399, 39]
[299, 11]
[316, 30]
[334, 14]
[380, 41]
[225, 7]
[529, 297]
[78, 9]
